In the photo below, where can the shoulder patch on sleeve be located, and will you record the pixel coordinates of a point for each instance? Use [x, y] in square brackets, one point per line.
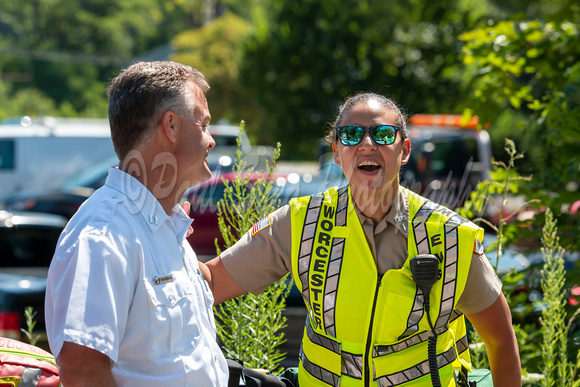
[261, 224]
[478, 247]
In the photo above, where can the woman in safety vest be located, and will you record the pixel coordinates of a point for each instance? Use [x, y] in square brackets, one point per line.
[387, 276]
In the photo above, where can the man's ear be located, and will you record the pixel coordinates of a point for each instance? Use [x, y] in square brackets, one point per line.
[169, 125]
[335, 154]
[406, 151]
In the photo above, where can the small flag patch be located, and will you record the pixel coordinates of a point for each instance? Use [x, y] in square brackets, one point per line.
[260, 225]
[477, 247]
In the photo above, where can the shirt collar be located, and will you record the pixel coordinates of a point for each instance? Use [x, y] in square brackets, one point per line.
[397, 216]
[139, 199]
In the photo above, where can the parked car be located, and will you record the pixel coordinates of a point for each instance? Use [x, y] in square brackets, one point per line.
[27, 244]
[65, 197]
[204, 199]
[35, 152]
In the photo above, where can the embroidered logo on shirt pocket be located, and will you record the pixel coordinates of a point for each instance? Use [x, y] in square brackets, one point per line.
[173, 318]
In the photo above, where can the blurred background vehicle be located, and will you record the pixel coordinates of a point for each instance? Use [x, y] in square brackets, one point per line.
[63, 199]
[27, 243]
[35, 152]
[449, 158]
[64, 196]
[204, 200]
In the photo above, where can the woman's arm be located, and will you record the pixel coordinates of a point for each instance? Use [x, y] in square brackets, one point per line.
[494, 325]
[220, 281]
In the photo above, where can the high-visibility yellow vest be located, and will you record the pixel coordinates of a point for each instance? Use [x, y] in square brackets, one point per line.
[367, 330]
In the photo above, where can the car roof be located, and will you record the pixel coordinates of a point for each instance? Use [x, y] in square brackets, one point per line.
[54, 126]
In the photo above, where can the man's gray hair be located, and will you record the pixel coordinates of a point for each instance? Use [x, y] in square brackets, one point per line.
[142, 93]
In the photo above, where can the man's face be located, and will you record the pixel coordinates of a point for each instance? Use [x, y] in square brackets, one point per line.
[194, 142]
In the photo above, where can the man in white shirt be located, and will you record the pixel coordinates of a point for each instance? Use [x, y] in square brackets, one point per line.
[126, 304]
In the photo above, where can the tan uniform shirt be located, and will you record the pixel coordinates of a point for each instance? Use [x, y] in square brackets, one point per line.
[257, 261]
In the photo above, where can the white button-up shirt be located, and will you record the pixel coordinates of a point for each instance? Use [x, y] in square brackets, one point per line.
[124, 281]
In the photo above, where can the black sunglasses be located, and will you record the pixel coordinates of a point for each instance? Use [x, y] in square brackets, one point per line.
[353, 134]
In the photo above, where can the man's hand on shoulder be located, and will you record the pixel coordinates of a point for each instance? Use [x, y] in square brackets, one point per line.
[82, 366]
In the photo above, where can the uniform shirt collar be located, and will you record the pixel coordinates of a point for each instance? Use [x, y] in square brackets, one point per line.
[397, 216]
[139, 199]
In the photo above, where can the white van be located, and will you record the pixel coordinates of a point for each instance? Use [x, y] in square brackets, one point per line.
[41, 152]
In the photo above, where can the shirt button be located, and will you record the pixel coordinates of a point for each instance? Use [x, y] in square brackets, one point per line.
[115, 196]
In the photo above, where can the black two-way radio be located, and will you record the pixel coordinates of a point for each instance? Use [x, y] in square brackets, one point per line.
[425, 271]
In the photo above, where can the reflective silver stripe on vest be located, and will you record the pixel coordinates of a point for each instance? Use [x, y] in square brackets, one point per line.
[462, 344]
[323, 341]
[383, 350]
[30, 377]
[415, 315]
[416, 371]
[318, 372]
[334, 264]
[306, 243]
[419, 228]
[422, 242]
[450, 272]
[351, 365]
[455, 315]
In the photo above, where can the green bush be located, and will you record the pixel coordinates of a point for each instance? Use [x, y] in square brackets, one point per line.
[249, 326]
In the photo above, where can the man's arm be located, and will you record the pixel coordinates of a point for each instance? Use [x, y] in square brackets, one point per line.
[494, 325]
[220, 282]
[82, 366]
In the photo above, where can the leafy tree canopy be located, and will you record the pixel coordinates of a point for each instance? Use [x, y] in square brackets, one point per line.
[312, 54]
[524, 75]
[69, 49]
[214, 49]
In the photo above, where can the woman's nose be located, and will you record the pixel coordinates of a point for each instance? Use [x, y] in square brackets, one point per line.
[367, 142]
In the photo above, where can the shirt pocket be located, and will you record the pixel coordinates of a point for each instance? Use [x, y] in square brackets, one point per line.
[173, 316]
[395, 312]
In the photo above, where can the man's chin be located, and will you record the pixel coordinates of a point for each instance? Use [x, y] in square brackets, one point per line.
[207, 175]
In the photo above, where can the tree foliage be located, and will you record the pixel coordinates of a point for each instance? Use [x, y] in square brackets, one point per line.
[68, 50]
[312, 54]
[530, 70]
[214, 49]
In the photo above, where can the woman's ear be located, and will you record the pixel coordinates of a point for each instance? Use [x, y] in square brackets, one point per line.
[406, 151]
[335, 154]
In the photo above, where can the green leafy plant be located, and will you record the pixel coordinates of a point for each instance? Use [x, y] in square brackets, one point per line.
[504, 181]
[491, 197]
[29, 315]
[249, 326]
[556, 368]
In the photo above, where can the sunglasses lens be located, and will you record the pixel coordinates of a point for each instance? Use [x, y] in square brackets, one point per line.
[351, 135]
[384, 134]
